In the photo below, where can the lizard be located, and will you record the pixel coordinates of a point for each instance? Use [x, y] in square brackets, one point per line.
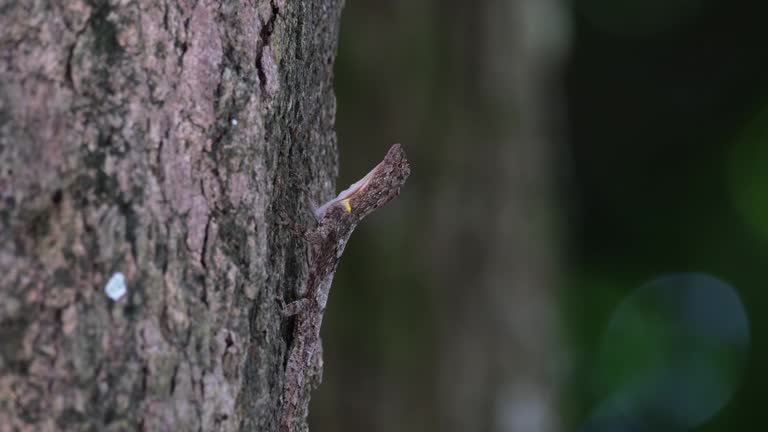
[336, 220]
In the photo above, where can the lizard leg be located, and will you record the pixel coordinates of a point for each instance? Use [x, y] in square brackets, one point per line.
[296, 228]
[304, 232]
[294, 307]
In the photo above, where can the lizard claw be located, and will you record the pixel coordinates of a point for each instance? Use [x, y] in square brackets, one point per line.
[292, 308]
[280, 302]
[284, 220]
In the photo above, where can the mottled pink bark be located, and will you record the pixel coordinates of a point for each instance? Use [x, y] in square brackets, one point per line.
[156, 139]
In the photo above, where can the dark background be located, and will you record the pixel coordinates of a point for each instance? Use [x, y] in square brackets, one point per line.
[669, 155]
[655, 114]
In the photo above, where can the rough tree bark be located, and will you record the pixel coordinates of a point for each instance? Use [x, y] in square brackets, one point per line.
[160, 140]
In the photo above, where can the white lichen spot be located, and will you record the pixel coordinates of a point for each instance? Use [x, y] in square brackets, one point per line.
[115, 287]
[234, 122]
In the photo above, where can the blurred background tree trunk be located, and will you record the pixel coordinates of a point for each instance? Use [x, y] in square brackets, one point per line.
[462, 329]
[496, 257]
[158, 140]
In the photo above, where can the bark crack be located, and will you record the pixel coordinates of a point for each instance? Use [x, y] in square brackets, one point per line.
[71, 54]
[266, 35]
[174, 375]
[205, 233]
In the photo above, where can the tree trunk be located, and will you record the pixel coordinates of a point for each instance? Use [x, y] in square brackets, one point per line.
[498, 270]
[160, 140]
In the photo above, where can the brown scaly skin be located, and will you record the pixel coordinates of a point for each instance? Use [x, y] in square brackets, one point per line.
[337, 219]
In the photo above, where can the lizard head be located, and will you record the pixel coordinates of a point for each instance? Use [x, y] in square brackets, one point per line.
[377, 188]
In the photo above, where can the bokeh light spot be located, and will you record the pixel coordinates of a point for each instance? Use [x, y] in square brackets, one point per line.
[673, 353]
